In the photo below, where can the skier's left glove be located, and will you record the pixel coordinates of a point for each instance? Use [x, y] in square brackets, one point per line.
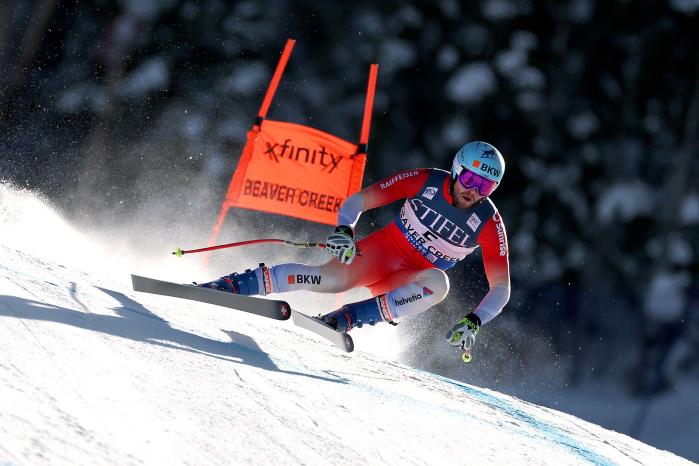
[340, 244]
[463, 333]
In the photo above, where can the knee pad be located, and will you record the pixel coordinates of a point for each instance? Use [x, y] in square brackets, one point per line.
[429, 288]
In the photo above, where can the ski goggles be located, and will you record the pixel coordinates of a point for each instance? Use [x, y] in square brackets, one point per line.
[470, 180]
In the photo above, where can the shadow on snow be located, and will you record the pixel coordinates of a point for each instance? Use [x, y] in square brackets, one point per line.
[137, 323]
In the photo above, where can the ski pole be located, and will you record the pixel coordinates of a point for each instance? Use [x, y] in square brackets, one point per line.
[180, 252]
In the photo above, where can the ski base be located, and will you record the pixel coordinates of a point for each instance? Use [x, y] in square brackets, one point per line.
[269, 308]
[273, 309]
[317, 326]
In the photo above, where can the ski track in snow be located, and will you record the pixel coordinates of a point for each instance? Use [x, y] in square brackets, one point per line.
[94, 373]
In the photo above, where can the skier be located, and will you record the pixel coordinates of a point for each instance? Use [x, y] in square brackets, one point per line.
[445, 217]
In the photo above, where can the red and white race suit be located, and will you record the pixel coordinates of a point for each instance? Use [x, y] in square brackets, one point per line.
[403, 263]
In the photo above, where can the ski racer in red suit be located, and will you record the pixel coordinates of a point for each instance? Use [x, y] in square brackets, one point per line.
[445, 216]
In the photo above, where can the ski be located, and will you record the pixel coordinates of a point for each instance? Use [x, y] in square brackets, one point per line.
[317, 326]
[272, 309]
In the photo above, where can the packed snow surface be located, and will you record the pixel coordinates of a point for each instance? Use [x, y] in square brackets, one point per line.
[94, 373]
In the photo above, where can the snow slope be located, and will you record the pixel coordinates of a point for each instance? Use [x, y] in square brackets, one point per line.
[94, 373]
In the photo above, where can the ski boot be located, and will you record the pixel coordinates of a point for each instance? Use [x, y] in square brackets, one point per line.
[354, 315]
[245, 283]
[463, 335]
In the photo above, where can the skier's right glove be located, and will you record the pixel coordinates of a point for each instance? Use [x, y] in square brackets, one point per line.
[340, 244]
[463, 333]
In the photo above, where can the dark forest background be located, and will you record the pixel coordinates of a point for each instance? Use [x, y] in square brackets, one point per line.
[106, 106]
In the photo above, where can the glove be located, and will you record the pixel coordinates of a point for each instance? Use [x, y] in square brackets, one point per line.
[463, 333]
[340, 244]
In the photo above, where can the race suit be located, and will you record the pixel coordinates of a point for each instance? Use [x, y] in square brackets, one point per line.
[403, 263]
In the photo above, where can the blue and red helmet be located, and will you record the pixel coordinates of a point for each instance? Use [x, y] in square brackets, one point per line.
[478, 165]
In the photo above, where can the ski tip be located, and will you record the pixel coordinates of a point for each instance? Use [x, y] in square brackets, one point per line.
[178, 252]
[349, 343]
[284, 311]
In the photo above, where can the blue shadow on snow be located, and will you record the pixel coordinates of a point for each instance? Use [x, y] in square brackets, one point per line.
[546, 431]
[137, 323]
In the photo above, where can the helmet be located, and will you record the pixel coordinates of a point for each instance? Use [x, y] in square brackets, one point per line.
[480, 158]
